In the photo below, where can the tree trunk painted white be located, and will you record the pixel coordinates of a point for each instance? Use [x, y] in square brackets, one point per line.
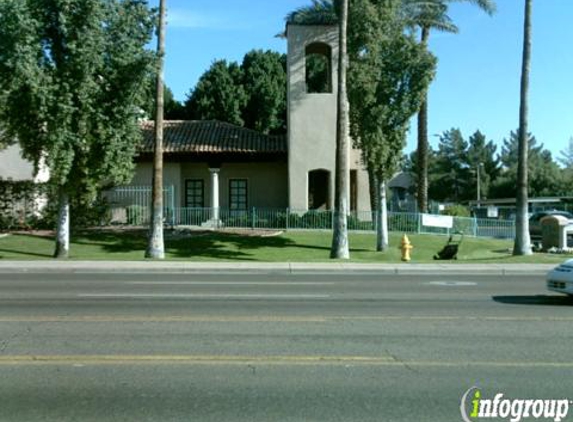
[340, 248]
[156, 247]
[63, 226]
[382, 218]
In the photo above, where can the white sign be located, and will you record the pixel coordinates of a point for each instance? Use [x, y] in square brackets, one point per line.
[492, 212]
[443, 221]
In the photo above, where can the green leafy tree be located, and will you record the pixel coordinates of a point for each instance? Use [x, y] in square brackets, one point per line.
[452, 166]
[389, 74]
[264, 82]
[484, 163]
[429, 15]
[566, 158]
[72, 78]
[546, 176]
[219, 94]
[173, 109]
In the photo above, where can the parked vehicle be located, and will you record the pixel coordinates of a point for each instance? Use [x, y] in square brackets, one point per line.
[560, 279]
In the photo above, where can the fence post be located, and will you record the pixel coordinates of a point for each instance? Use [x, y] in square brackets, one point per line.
[419, 223]
[475, 226]
[253, 224]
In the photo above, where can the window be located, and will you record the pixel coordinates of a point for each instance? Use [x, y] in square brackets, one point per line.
[318, 69]
[238, 194]
[194, 193]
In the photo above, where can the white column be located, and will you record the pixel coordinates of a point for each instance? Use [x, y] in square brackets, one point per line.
[215, 192]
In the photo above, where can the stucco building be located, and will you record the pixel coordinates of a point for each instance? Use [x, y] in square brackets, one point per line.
[214, 164]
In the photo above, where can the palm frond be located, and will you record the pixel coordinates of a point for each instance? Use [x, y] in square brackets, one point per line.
[488, 6]
[320, 12]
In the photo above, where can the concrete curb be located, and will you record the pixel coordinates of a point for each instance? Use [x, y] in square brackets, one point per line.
[248, 267]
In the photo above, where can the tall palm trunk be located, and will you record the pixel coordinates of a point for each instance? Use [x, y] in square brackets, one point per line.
[423, 145]
[339, 249]
[155, 247]
[522, 245]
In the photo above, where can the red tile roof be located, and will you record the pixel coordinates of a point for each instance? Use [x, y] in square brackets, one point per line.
[213, 137]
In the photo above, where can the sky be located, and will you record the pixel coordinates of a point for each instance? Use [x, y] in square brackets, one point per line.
[478, 75]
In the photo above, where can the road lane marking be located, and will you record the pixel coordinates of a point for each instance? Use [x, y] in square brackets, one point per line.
[229, 283]
[231, 360]
[452, 283]
[174, 318]
[264, 318]
[75, 360]
[198, 296]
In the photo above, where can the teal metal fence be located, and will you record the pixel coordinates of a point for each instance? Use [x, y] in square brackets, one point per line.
[286, 219]
[131, 206]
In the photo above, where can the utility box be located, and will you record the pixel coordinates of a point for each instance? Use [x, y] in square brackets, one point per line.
[554, 231]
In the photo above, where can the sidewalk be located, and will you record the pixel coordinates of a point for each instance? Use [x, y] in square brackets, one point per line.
[299, 267]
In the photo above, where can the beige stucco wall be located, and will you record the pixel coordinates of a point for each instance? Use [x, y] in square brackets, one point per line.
[312, 121]
[267, 182]
[171, 177]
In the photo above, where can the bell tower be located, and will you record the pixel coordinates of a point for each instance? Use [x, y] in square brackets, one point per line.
[312, 73]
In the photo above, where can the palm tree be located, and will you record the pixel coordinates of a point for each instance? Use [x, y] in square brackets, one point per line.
[155, 247]
[522, 245]
[339, 248]
[430, 15]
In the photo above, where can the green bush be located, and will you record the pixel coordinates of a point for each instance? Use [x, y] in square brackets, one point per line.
[457, 211]
[135, 215]
[18, 205]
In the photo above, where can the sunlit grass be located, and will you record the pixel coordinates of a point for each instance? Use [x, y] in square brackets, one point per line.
[303, 246]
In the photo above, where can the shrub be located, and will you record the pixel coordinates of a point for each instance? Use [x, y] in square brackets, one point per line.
[456, 211]
[135, 215]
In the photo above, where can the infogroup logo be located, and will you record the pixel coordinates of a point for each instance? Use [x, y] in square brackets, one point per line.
[475, 407]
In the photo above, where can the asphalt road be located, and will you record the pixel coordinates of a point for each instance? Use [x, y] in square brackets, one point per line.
[276, 347]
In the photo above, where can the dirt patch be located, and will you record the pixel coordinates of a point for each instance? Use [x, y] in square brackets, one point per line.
[37, 233]
[189, 233]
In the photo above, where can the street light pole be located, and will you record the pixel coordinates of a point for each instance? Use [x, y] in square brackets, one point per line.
[479, 184]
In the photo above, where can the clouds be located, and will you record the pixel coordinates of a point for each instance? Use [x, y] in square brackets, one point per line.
[180, 18]
[189, 19]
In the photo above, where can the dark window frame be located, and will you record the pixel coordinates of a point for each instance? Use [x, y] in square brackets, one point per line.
[233, 195]
[194, 195]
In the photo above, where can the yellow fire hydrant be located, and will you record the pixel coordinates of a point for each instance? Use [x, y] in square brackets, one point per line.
[406, 247]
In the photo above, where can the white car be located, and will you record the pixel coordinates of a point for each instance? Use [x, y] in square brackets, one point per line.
[560, 278]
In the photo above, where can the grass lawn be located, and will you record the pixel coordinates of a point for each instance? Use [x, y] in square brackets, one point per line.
[286, 247]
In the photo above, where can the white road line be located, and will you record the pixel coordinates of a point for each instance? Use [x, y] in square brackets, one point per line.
[229, 283]
[198, 296]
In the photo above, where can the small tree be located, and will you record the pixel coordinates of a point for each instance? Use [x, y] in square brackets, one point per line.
[264, 81]
[72, 78]
[389, 74]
